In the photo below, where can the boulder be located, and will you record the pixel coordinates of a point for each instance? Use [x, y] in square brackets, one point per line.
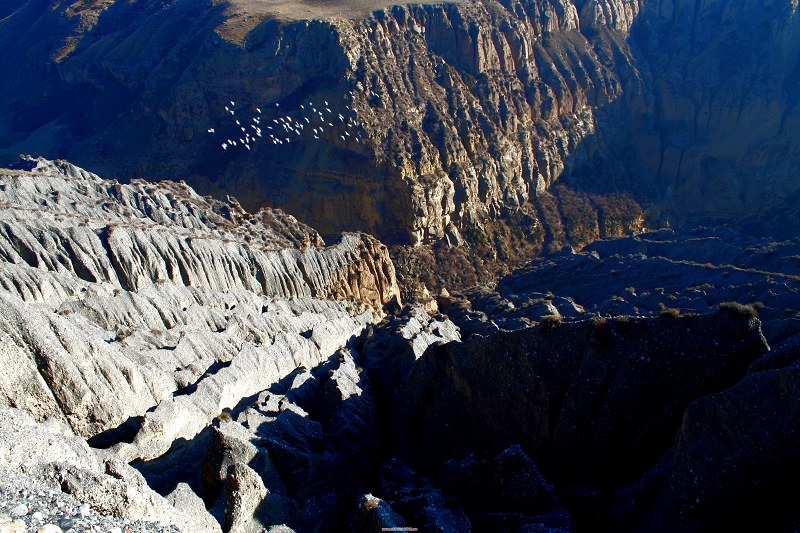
[244, 494]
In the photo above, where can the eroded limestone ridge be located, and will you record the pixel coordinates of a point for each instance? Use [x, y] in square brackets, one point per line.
[132, 315]
[122, 299]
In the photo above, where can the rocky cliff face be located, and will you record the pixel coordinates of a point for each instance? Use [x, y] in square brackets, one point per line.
[712, 112]
[466, 112]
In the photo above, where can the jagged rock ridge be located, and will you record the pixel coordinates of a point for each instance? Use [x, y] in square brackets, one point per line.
[137, 313]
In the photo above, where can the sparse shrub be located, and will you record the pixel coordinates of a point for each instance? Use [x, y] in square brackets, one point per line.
[578, 216]
[551, 322]
[671, 312]
[370, 502]
[739, 309]
[224, 416]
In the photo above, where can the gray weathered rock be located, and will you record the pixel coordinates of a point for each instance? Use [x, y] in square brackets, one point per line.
[393, 347]
[122, 299]
[192, 509]
[244, 493]
[51, 453]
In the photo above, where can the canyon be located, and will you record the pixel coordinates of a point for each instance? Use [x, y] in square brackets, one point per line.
[490, 265]
[468, 112]
[173, 362]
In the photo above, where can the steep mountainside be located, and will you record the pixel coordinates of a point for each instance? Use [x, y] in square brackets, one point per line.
[462, 114]
[716, 124]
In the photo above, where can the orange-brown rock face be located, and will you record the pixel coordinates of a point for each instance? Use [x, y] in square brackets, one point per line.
[461, 113]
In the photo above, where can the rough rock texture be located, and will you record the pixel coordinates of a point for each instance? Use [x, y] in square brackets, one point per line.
[135, 314]
[300, 453]
[192, 509]
[591, 402]
[650, 424]
[692, 271]
[664, 271]
[466, 111]
[245, 493]
[139, 235]
[51, 453]
[119, 299]
[244, 401]
[392, 348]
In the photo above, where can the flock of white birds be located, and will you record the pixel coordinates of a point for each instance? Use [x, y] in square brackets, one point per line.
[315, 120]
